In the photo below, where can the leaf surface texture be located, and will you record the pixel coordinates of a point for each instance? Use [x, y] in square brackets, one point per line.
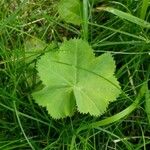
[75, 79]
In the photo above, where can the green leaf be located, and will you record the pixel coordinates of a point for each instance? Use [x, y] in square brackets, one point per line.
[144, 7]
[75, 79]
[126, 16]
[33, 47]
[70, 11]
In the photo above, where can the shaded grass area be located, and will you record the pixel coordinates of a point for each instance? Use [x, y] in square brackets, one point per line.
[26, 30]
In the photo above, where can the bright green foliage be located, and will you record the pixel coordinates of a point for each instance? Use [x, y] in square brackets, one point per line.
[75, 79]
[70, 11]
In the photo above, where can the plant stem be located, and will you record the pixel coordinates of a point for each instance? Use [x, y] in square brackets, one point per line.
[85, 20]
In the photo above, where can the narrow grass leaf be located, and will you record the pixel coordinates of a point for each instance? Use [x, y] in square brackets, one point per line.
[147, 104]
[126, 16]
[85, 19]
[144, 8]
[21, 127]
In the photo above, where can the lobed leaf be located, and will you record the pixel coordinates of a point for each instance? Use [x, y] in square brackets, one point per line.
[75, 79]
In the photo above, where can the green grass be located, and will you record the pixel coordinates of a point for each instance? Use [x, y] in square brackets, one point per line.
[25, 125]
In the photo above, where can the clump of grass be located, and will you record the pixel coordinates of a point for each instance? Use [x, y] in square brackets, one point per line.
[25, 125]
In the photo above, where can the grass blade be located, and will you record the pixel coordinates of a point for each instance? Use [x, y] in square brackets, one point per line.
[23, 132]
[147, 104]
[85, 20]
[144, 9]
[126, 16]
